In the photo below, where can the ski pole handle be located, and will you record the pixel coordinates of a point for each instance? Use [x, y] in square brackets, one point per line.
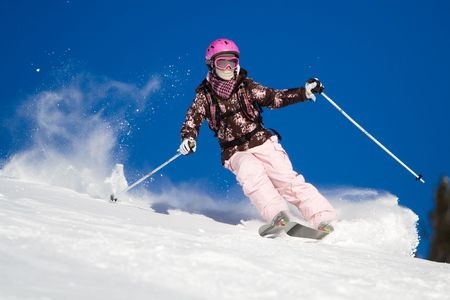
[192, 144]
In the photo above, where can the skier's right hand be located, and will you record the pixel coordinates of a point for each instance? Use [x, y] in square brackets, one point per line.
[188, 146]
[313, 86]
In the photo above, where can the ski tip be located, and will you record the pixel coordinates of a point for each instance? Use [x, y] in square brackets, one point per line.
[112, 198]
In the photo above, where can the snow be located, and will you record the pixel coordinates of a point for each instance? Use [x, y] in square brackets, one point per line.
[56, 243]
[60, 237]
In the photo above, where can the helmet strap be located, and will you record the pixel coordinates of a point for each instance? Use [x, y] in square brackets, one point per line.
[210, 65]
[236, 72]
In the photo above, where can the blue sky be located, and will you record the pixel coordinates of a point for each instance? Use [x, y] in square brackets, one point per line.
[386, 63]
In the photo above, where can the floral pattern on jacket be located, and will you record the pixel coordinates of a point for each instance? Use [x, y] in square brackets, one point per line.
[235, 125]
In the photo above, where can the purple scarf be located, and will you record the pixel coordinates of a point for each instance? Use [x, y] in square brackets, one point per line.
[222, 88]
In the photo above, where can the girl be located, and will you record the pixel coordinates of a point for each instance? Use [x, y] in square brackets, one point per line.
[231, 102]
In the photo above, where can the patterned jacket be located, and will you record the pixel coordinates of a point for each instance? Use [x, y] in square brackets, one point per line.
[236, 124]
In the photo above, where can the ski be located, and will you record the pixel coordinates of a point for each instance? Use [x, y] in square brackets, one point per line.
[299, 230]
[293, 229]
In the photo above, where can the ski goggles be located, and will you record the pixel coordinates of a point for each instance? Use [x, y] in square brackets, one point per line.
[223, 63]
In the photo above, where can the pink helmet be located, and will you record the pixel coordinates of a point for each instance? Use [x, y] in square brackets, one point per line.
[221, 46]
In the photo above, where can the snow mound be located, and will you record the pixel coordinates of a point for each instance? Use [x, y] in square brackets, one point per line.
[375, 220]
[368, 219]
[56, 243]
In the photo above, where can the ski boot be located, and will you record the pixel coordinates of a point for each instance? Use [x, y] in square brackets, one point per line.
[277, 225]
[325, 226]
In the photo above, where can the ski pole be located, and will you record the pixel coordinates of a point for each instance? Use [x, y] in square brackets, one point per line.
[418, 176]
[114, 197]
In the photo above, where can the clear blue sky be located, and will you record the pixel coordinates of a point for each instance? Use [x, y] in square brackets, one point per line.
[385, 62]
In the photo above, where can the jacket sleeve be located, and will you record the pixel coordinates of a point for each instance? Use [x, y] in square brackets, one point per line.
[195, 115]
[274, 98]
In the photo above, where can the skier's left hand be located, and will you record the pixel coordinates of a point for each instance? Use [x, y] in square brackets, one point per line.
[313, 86]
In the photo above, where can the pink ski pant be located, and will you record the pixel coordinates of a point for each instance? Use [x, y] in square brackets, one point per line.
[268, 180]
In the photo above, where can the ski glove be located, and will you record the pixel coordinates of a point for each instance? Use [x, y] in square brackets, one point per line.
[313, 86]
[188, 146]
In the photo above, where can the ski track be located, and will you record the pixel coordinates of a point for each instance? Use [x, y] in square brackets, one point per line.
[59, 244]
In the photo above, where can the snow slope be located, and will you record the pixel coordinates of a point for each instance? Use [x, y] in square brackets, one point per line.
[56, 243]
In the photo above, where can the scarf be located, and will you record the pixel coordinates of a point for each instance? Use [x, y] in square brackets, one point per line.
[222, 88]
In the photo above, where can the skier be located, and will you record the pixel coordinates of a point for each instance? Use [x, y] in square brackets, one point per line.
[231, 102]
